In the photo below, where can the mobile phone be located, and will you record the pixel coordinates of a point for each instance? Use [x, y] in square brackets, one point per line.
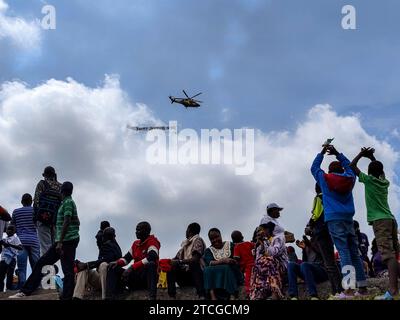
[328, 142]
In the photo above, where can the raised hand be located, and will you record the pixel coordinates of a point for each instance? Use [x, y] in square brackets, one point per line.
[368, 153]
[332, 151]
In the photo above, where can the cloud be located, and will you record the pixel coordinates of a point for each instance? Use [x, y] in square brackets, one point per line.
[395, 133]
[24, 34]
[82, 132]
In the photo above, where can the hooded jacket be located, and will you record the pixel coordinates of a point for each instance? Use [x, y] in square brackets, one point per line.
[337, 205]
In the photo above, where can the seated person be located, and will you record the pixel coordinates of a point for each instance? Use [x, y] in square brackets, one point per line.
[187, 266]
[270, 264]
[58, 281]
[11, 245]
[143, 273]
[292, 256]
[311, 270]
[99, 234]
[94, 273]
[244, 254]
[221, 274]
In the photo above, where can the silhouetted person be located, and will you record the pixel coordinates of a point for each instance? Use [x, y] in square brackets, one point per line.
[22, 218]
[99, 235]
[94, 273]
[46, 202]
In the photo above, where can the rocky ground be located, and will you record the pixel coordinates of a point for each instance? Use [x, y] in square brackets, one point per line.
[375, 286]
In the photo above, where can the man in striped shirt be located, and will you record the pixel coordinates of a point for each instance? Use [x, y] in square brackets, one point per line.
[22, 219]
[67, 240]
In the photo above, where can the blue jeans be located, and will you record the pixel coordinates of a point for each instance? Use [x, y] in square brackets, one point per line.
[311, 273]
[31, 252]
[345, 240]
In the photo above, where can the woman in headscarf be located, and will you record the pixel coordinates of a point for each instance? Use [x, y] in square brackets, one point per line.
[222, 271]
[270, 265]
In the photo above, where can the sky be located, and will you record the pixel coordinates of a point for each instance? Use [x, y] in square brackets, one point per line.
[286, 69]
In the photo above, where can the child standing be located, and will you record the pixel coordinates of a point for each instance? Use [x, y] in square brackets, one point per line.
[11, 246]
[244, 254]
[380, 216]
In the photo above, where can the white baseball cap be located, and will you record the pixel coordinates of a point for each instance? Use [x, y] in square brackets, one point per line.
[273, 206]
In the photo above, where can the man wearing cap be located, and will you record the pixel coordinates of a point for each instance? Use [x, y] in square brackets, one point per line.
[273, 213]
[45, 232]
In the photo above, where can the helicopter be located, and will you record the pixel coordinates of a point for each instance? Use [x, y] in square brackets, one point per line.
[188, 102]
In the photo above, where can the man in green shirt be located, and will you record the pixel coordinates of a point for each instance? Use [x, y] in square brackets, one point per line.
[67, 239]
[380, 217]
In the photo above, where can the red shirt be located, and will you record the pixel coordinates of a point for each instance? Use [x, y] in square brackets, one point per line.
[139, 252]
[244, 251]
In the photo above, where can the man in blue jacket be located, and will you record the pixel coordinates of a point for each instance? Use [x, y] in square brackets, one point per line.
[337, 186]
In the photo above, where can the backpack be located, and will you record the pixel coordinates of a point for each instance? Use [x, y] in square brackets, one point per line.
[49, 202]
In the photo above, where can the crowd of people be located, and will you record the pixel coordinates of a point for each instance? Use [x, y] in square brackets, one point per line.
[45, 230]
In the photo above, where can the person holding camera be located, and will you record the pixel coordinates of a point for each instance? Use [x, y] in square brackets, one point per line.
[318, 230]
[311, 270]
[337, 195]
[380, 216]
[270, 264]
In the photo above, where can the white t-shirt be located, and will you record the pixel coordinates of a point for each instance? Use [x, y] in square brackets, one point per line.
[9, 253]
[279, 229]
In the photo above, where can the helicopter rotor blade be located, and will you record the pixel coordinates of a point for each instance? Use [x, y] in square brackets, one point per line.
[196, 95]
[185, 94]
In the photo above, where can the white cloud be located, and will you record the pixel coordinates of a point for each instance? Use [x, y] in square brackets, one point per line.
[82, 132]
[396, 133]
[24, 34]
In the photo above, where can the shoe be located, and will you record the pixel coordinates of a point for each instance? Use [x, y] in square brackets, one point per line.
[362, 294]
[386, 296]
[18, 295]
[314, 298]
[333, 296]
[343, 296]
[294, 298]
